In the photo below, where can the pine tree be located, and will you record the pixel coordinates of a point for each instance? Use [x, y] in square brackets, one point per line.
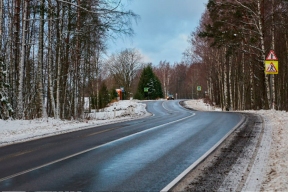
[5, 106]
[103, 96]
[148, 80]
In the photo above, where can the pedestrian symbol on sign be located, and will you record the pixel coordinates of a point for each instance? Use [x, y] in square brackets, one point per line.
[271, 67]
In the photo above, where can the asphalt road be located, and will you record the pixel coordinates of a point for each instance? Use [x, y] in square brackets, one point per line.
[144, 154]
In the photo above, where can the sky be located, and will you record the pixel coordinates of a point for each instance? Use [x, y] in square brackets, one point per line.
[162, 32]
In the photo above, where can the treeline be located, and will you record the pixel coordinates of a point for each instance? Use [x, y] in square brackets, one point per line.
[182, 79]
[232, 42]
[52, 57]
[51, 53]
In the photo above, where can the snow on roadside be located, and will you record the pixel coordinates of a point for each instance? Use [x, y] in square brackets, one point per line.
[13, 131]
[200, 106]
[276, 169]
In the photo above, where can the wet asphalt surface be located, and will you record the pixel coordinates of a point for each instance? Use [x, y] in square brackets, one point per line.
[139, 155]
[212, 173]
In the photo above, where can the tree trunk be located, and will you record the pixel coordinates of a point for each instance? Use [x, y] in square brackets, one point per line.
[243, 100]
[20, 114]
[40, 102]
[260, 24]
[77, 62]
[50, 61]
[15, 49]
[272, 80]
[229, 83]
[58, 89]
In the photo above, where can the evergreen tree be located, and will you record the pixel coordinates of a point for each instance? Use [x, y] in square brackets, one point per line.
[5, 106]
[112, 94]
[103, 96]
[148, 80]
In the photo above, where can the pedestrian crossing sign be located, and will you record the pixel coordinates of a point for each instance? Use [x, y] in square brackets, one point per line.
[271, 63]
[271, 67]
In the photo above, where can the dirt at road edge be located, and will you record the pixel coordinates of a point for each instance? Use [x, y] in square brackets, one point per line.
[213, 173]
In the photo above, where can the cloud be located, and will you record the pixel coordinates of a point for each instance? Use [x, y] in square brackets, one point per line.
[171, 50]
[162, 32]
[145, 57]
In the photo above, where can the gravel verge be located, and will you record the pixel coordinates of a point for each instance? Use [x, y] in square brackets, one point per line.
[229, 166]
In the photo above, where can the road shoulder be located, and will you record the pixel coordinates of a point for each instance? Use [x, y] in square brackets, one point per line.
[229, 166]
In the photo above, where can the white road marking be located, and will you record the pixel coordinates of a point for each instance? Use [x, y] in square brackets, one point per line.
[90, 149]
[185, 172]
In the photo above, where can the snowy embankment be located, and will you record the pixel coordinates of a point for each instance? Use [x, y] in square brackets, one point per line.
[276, 122]
[12, 131]
[276, 178]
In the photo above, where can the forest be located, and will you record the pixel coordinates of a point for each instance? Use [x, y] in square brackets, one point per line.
[232, 42]
[53, 56]
[226, 57]
[51, 52]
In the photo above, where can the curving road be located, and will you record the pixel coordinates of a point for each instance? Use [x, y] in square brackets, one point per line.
[144, 154]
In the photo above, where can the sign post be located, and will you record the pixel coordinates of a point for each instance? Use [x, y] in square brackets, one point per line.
[271, 68]
[199, 89]
[146, 91]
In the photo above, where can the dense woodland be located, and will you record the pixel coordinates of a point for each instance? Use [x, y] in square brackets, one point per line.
[232, 42]
[227, 53]
[51, 52]
[52, 56]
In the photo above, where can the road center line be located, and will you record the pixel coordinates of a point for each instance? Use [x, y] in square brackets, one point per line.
[16, 154]
[93, 148]
[30, 151]
[166, 108]
[98, 132]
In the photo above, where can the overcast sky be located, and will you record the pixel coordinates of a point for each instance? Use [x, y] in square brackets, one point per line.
[163, 28]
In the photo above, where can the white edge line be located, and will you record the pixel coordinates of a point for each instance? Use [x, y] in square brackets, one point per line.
[185, 172]
[87, 150]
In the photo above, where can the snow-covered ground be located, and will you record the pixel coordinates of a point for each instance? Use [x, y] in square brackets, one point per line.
[14, 131]
[276, 178]
[276, 122]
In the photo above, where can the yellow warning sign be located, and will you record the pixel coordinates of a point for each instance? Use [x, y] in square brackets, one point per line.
[271, 67]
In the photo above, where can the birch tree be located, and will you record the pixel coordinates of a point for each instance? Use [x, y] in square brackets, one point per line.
[20, 106]
[235, 37]
[40, 103]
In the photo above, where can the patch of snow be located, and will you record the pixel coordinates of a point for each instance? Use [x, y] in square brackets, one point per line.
[199, 105]
[275, 167]
[14, 131]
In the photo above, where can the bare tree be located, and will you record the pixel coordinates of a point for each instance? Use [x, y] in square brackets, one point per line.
[124, 66]
[50, 51]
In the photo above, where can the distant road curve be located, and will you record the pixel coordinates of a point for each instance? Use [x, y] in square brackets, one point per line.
[144, 154]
